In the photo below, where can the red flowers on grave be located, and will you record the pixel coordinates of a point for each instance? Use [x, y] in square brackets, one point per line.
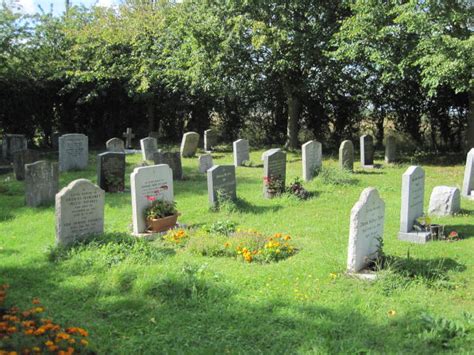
[151, 198]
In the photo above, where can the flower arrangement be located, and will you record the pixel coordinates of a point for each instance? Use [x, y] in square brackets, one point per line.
[296, 188]
[274, 184]
[160, 208]
[29, 333]
[274, 248]
[453, 236]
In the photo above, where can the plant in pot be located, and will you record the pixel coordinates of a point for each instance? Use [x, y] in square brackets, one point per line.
[274, 186]
[161, 215]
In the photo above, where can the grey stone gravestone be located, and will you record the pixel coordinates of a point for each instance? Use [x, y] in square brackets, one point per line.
[444, 201]
[22, 157]
[269, 151]
[41, 183]
[73, 152]
[128, 135]
[241, 151]
[468, 182]
[312, 159]
[115, 145]
[221, 182]
[173, 160]
[274, 173]
[154, 134]
[413, 192]
[149, 147]
[55, 140]
[346, 155]
[151, 181]
[390, 150]
[111, 171]
[210, 139]
[189, 144]
[366, 230]
[79, 212]
[205, 162]
[367, 151]
[12, 143]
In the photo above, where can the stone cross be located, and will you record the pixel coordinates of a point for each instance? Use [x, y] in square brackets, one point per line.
[128, 135]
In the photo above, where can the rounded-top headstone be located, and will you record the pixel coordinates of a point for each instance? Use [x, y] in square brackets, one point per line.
[189, 144]
[346, 155]
[444, 201]
[115, 145]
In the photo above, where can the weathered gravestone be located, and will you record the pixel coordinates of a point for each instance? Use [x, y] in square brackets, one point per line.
[390, 149]
[12, 143]
[312, 159]
[189, 144]
[241, 151]
[154, 134]
[269, 151]
[468, 183]
[79, 212]
[149, 147]
[41, 183]
[128, 135]
[115, 145]
[73, 152]
[444, 201]
[366, 230]
[173, 160]
[147, 183]
[346, 155]
[111, 171]
[221, 183]
[22, 157]
[210, 139]
[205, 162]
[367, 151]
[274, 173]
[413, 192]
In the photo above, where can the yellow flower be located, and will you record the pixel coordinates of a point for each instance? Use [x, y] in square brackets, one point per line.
[391, 313]
[49, 343]
[333, 275]
[226, 245]
[287, 237]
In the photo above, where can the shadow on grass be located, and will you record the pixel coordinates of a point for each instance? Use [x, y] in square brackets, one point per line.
[434, 159]
[465, 230]
[193, 310]
[374, 171]
[243, 206]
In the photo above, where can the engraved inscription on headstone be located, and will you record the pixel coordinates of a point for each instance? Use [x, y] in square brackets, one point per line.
[79, 212]
[221, 183]
[73, 152]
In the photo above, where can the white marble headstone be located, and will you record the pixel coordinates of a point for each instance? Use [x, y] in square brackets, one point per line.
[366, 230]
[312, 158]
[151, 181]
[79, 212]
[241, 151]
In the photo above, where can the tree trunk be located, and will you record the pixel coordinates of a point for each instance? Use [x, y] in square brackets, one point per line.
[470, 122]
[151, 115]
[294, 111]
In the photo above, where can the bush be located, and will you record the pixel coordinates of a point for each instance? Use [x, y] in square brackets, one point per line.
[295, 188]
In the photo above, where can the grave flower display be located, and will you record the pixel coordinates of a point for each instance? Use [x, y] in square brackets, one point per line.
[161, 215]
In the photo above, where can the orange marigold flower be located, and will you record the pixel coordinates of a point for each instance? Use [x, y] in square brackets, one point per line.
[63, 336]
[36, 301]
[53, 348]
[11, 330]
[26, 314]
[71, 341]
[28, 331]
[48, 343]
[287, 237]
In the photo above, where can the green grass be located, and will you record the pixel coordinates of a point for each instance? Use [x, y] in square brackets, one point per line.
[136, 297]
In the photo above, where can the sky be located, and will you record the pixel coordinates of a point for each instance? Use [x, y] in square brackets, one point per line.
[31, 6]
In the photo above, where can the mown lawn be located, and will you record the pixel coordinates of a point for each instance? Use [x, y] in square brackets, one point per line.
[177, 302]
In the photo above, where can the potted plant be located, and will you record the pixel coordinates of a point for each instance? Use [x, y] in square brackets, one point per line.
[274, 186]
[161, 215]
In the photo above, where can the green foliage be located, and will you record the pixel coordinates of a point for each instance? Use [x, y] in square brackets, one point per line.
[440, 331]
[160, 209]
[295, 188]
[335, 176]
[224, 228]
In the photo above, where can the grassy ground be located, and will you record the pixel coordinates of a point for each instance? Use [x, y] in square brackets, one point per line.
[173, 301]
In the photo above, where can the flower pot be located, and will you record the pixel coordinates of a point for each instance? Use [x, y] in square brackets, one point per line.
[162, 224]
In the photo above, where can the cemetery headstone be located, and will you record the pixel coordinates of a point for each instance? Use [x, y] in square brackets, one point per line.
[149, 147]
[346, 155]
[22, 157]
[269, 151]
[205, 162]
[210, 139]
[274, 170]
[413, 192]
[390, 150]
[12, 143]
[73, 152]
[115, 145]
[312, 159]
[154, 134]
[79, 212]
[221, 183]
[41, 183]
[173, 160]
[128, 135]
[468, 182]
[444, 201]
[111, 171]
[241, 151]
[366, 230]
[149, 182]
[367, 151]
[189, 144]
